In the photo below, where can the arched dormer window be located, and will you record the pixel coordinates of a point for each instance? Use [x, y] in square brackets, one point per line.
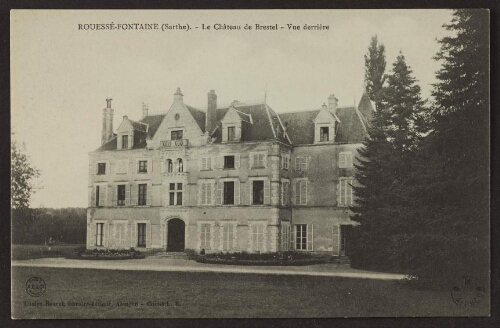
[170, 166]
[180, 165]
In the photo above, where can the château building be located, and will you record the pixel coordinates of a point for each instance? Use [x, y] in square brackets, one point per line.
[237, 178]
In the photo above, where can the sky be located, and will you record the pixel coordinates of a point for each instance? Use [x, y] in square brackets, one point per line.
[61, 75]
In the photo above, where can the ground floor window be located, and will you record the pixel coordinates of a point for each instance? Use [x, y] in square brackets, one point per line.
[205, 235]
[285, 237]
[175, 194]
[99, 234]
[227, 237]
[141, 235]
[301, 236]
[345, 231]
[258, 237]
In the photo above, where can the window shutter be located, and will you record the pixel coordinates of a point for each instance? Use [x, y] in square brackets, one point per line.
[101, 195]
[297, 192]
[297, 163]
[134, 192]
[303, 192]
[219, 193]
[282, 193]
[264, 159]
[211, 192]
[93, 234]
[338, 193]
[342, 192]
[349, 162]
[249, 192]
[236, 161]
[163, 167]
[150, 165]
[220, 162]
[109, 195]
[202, 193]
[209, 163]
[267, 192]
[127, 195]
[237, 192]
[115, 193]
[203, 163]
[292, 237]
[92, 197]
[133, 233]
[148, 195]
[310, 237]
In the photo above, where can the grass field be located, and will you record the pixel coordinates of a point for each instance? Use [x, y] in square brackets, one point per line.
[25, 252]
[221, 295]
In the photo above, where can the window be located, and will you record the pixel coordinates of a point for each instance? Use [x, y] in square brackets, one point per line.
[170, 166]
[143, 166]
[125, 142]
[206, 193]
[229, 162]
[285, 193]
[205, 236]
[206, 163]
[301, 236]
[300, 163]
[101, 168]
[285, 237]
[345, 160]
[97, 196]
[323, 133]
[180, 165]
[99, 234]
[229, 193]
[345, 192]
[258, 237]
[227, 237]
[176, 135]
[285, 161]
[141, 235]
[142, 194]
[230, 133]
[258, 160]
[121, 195]
[258, 192]
[301, 192]
[175, 193]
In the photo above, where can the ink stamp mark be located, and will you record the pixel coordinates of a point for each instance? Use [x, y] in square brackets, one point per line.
[468, 292]
[35, 286]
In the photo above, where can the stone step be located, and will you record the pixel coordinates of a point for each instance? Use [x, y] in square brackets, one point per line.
[172, 255]
[340, 260]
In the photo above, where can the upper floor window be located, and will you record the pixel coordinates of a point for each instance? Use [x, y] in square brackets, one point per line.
[206, 193]
[229, 193]
[229, 162]
[175, 194]
[345, 160]
[125, 142]
[301, 192]
[259, 160]
[121, 195]
[345, 192]
[300, 163]
[176, 135]
[180, 165]
[285, 192]
[142, 194]
[101, 168]
[285, 161]
[143, 166]
[231, 136]
[170, 166]
[206, 163]
[323, 133]
[258, 192]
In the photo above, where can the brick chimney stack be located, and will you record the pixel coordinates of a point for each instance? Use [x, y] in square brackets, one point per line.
[107, 123]
[332, 103]
[211, 117]
[145, 110]
[178, 96]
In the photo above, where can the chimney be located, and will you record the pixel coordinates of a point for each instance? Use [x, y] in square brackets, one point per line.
[144, 110]
[178, 95]
[332, 103]
[211, 117]
[323, 106]
[107, 123]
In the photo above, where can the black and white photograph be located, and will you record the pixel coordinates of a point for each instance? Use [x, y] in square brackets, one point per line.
[328, 163]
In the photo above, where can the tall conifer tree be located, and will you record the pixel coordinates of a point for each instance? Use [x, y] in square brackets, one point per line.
[374, 70]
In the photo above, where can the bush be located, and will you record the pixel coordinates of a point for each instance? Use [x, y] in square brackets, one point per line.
[108, 254]
[269, 258]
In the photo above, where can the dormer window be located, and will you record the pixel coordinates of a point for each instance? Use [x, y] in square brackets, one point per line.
[231, 133]
[323, 134]
[125, 142]
[176, 135]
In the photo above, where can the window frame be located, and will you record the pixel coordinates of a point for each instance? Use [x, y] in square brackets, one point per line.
[208, 185]
[125, 138]
[227, 193]
[322, 133]
[176, 133]
[254, 193]
[142, 166]
[256, 241]
[101, 168]
[142, 195]
[205, 235]
[300, 163]
[345, 160]
[174, 193]
[99, 241]
[142, 238]
[348, 196]
[231, 133]
[302, 239]
[298, 192]
[226, 160]
[121, 187]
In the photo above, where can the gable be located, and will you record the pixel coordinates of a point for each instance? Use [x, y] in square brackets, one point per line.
[231, 117]
[178, 117]
[125, 126]
[324, 116]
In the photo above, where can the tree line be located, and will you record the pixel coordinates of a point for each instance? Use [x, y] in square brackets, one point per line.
[423, 171]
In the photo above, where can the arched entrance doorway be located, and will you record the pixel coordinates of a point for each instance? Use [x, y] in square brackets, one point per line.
[175, 236]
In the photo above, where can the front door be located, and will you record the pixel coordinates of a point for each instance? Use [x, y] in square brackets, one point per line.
[175, 236]
[345, 231]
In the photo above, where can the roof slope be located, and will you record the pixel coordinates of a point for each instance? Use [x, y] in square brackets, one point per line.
[199, 117]
[300, 126]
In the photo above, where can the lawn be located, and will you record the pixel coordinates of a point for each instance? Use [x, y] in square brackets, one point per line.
[25, 252]
[220, 295]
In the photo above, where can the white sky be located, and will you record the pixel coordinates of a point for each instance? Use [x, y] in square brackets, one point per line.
[61, 76]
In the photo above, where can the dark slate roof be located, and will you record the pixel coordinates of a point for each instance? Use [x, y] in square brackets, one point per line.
[351, 127]
[199, 117]
[154, 122]
[110, 145]
[139, 126]
[300, 126]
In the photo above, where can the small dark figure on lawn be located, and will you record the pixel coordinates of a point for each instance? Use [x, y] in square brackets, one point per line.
[202, 254]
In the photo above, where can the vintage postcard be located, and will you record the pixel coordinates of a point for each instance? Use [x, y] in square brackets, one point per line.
[250, 163]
